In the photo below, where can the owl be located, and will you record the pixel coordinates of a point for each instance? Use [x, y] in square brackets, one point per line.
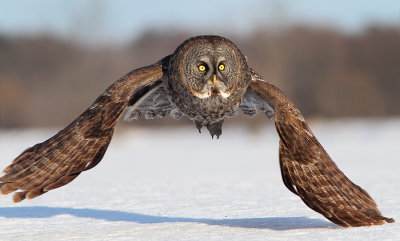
[207, 79]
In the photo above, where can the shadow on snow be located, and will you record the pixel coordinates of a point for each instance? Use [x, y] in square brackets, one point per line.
[275, 223]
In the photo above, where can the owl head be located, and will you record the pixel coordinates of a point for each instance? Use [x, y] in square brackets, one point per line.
[210, 73]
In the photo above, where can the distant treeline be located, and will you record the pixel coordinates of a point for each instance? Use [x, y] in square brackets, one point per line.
[327, 73]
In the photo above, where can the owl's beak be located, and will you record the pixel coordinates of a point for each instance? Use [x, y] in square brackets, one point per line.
[214, 80]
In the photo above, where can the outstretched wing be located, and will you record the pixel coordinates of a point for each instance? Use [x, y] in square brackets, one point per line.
[308, 171]
[81, 145]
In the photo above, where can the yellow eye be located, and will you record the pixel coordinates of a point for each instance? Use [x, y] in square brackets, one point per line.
[202, 68]
[221, 67]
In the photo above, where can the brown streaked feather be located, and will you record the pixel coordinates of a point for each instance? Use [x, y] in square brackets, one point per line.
[309, 172]
[78, 147]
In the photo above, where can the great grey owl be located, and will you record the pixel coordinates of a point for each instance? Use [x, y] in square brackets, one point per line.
[206, 79]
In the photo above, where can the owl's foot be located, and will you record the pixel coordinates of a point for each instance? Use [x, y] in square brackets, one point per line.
[198, 126]
[215, 128]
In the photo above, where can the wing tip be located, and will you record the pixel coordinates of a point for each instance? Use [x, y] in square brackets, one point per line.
[382, 221]
[19, 196]
[390, 220]
[362, 223]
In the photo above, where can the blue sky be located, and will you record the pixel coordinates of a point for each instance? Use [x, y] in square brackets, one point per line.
[102, 21]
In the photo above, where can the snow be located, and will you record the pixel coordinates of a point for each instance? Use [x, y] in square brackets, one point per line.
[174, 184]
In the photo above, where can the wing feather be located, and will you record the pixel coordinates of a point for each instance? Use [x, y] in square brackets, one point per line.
[307, 169]
[251, 101]
[151, 104]
[78, 147]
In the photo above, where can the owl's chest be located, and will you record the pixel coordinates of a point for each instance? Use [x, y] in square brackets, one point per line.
[208, 110]
[203, 110]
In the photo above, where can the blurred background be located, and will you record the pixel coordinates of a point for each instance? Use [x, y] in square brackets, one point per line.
[333, 59]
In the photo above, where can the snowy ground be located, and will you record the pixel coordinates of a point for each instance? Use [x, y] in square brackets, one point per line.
[174, 184]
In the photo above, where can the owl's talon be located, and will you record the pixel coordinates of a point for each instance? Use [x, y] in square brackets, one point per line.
[215, 128]
[198, 126]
